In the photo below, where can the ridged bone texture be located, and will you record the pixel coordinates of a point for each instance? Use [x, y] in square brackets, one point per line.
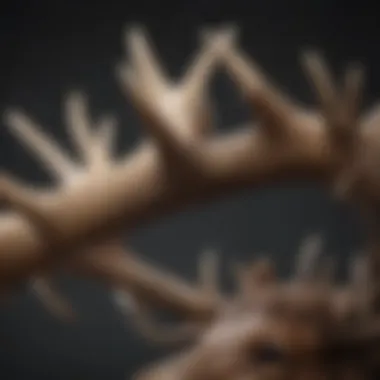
[266, 329]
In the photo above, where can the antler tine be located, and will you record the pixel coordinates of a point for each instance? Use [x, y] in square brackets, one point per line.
[359, 272]
[94, 146]
[208, 272]
[94, 149]
[106, 138]
[137, 311]
[174, 113]
[138, 189]
[341, 112]
[359, 276]
[274, 109]
[254, 276]
[353, 89]
[341, 108]
[28, 203]
[263, 271]
[198, 73]
[51, 155]
[307, 262]
[122, 269]
[78, 123]
[51, 299]
[364, 297]
[25, 203]
[144, 62]
[322, 81]
[140, 317]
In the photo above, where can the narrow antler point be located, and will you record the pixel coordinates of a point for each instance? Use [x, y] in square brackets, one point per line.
[310, 56]
[75, 96]
[224, 36]
[356, 70]
[15, 118]
[315, 238]
[136, 35]
[230, 31]
[9, 115]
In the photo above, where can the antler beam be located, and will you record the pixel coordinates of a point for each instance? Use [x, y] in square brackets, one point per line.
[96, 200]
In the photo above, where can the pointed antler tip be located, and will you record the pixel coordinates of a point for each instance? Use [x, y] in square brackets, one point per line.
[231, 30]
[209, 252]
[124, 301]
[8, 115]
[311, 56]
[357, 65]
[12, 117]
[126, 75]
[136, 33]
[311, 247]
[75, 101]
[75, 96]
[356, 70]
[120, 70]
[223, 36]
[314, 237]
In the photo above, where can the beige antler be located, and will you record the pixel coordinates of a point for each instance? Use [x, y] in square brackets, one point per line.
[341, 110]
[57, 305]
[253, 277]
[310, 266]
[208, 272]
[360, 282]
[176, 114]
[181, 163]
[104, 195]
[95, 150]
[309, 252]
[139, 313]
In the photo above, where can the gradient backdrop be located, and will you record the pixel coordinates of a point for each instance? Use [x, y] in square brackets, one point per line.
[49, 47]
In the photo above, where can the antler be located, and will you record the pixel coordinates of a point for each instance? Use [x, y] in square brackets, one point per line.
[139, 181]
[57, 305]
[106, 261]
[253, 277]
[130, 304]
[139, 313]
[181, 164]
[341, 110]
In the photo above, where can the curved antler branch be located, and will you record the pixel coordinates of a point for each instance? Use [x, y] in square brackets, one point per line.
[308, 257]
[95, 149]
[139, 313]
[174, 114]
[149, 329]
[253, 277]
[97, 199]
[341, 110]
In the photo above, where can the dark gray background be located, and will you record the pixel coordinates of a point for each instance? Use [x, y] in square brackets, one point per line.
[49, 47]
